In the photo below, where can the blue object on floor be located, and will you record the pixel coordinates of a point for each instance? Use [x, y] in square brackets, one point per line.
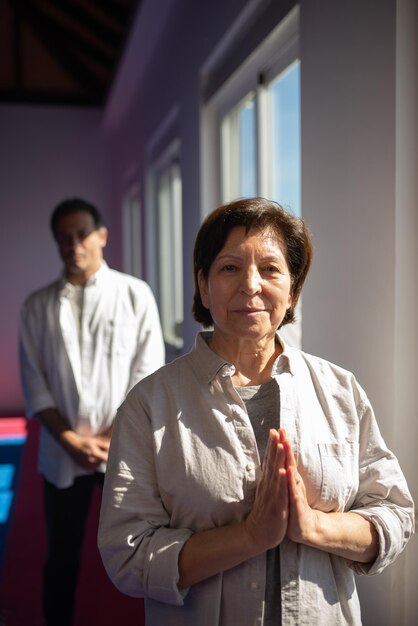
[11, 448]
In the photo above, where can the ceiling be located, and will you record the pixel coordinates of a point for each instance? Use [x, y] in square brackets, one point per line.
[62, 52]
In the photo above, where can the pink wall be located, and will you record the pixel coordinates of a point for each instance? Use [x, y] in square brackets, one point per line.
[46, 154]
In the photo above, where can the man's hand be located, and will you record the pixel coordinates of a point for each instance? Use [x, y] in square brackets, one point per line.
[89, 452]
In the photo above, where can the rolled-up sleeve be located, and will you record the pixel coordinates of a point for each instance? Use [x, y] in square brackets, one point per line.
[383, 496]
[36, 392]
[139, 550]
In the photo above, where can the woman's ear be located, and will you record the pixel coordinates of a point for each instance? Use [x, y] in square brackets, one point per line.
[203, 289]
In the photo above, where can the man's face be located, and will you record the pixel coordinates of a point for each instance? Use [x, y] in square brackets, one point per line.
[80, 245]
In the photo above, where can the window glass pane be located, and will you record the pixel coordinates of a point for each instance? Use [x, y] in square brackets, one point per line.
[238, 150]
[247, 153]
[285, 156]
[170, 254]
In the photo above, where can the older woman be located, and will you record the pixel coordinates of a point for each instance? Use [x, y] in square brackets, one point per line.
[247, 481]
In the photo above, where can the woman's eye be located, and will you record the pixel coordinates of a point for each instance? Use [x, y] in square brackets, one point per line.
[229, 268]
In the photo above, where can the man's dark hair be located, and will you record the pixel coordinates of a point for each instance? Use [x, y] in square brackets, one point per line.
[72, 205]
[260, 214]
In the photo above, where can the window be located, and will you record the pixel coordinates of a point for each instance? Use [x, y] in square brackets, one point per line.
[260, 142]
[251, 127]
[238, 152]
[170, 251]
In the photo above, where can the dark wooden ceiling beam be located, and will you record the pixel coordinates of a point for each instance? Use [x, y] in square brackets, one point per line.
[84, 38]
[65, 37]
[81, 17]
[17, 48]
[116, 10]
[67, 49]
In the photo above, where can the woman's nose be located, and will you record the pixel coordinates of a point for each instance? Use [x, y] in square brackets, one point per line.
[250, 282]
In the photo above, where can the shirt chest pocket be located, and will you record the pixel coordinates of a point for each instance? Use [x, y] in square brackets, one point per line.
[120, 338]
[340, 475]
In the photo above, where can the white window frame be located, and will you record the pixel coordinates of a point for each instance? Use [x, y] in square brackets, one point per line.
[276, 53]
[170, 166]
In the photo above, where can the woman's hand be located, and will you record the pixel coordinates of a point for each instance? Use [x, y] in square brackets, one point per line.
[212, 551]
[303, 520]
[345, 534]
[268, 520]
[280, 509]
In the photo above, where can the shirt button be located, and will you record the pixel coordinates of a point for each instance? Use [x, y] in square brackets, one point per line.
[254, 586]
[249, 467]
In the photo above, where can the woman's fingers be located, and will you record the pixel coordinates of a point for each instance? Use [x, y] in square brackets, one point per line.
[294, 480]
[267, 521]
[290, 457]
[299, 518]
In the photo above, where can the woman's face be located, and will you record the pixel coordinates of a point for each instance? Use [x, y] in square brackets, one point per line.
[248, 288]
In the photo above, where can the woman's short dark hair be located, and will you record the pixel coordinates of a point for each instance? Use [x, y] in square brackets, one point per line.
[260, 214]
[72, 205]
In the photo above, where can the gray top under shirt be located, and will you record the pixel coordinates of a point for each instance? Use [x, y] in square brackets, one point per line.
[263, 407]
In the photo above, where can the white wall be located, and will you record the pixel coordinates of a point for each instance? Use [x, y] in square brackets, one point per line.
[359, 168]
[46, 155]
[406, 285]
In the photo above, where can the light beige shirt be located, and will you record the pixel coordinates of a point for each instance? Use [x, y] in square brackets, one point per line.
[86, 373]
[183, 458]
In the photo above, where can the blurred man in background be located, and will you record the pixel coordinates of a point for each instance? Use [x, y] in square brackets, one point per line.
[85, 340]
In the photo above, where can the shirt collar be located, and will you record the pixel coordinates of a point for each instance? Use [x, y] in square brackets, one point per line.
[66, 287]
[211, 364]
[285, 362]
[207, 361]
